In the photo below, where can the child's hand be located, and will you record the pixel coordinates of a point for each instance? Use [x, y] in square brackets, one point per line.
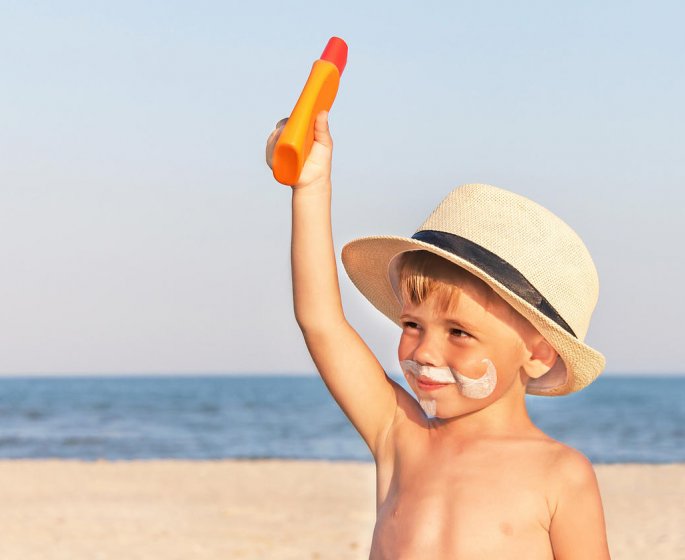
[317, 167]
[271, 141]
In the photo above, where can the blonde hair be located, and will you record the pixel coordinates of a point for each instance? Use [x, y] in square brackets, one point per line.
[423, 274]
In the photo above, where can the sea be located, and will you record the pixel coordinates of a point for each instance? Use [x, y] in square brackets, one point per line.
[617, 419]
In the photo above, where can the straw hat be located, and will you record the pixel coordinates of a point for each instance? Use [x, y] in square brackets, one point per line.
[532, 259]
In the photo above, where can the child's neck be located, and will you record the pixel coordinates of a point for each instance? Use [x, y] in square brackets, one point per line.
[505, 418]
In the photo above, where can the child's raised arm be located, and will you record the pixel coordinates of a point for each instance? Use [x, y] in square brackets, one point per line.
[350, 370]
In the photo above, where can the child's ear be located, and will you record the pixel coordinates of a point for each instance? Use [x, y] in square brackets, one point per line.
[542, 358]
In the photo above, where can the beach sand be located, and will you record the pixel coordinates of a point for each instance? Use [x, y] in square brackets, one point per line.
[277, 510]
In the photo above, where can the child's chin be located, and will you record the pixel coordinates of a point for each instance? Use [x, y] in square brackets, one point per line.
[432, 409]
[439, 413]
[450, 412]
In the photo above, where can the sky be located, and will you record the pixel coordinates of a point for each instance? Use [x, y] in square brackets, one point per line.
[141, 231]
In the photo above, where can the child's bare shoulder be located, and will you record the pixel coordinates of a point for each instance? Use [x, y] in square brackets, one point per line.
[573, 469]
[564, 463]
[577, 526]
[569, 473]
[564, 473]
[568, 465]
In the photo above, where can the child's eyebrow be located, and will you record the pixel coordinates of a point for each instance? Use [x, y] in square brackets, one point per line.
[408, 317]
[461, 325]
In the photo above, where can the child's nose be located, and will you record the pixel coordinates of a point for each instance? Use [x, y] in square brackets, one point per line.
[428, 351]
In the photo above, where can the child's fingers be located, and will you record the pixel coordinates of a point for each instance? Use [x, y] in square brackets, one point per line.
[271, 141]
[322, 133]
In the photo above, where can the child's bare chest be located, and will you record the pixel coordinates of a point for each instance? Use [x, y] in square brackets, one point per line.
[472, 507]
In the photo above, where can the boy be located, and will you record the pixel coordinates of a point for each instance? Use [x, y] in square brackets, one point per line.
[494, 296]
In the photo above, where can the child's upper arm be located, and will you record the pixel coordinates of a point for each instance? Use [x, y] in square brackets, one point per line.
[355, 378]
[577, 530]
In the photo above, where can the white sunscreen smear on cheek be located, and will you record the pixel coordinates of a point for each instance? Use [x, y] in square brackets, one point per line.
[482, 386]
[478, 388]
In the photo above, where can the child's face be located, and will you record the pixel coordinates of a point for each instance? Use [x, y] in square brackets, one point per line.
[477, 331]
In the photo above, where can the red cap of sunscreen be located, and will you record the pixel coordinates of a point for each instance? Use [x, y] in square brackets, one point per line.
[336, 52]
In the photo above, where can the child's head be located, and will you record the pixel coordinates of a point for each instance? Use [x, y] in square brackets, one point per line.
[462, 346]
[513, 259]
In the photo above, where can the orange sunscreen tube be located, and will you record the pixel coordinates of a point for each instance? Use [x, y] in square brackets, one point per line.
[318, 95]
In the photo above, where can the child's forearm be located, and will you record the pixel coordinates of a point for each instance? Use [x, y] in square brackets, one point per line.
[316, 291]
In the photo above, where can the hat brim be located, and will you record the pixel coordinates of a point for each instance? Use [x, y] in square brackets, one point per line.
[367, 261]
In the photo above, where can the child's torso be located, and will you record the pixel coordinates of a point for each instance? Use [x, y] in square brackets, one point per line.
[487, 499]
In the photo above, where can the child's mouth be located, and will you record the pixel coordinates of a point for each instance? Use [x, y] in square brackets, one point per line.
[428, 377]
[428, 384]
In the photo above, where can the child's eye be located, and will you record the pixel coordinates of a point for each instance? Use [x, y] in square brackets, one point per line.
[410, 325]
[459, 333]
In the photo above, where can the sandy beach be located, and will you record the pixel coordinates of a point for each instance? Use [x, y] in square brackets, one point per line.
[264, 510]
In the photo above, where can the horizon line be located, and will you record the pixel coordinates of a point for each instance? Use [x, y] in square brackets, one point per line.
[160, 374]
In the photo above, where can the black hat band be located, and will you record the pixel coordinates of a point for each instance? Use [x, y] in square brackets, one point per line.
[495, 267]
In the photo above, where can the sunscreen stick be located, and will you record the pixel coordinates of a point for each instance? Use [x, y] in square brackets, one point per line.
[318, 95]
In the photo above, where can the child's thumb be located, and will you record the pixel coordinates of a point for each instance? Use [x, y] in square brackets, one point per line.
[322, 133]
